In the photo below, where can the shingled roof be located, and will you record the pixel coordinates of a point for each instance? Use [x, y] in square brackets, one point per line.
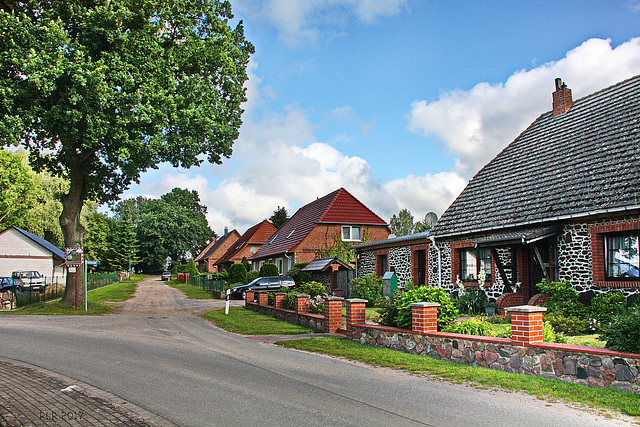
[337, 207]
[256, 235]
[213, 246]
[583, 162]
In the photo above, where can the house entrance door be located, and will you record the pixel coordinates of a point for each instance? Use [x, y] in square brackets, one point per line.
[422, 267]
[541, 264]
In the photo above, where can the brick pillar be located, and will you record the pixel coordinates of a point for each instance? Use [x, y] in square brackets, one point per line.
[355, 313]
[301, 303]
[186, 278]
[279, 299]
[526, 324]
[249, 296]
[263, 297]
[333, 313]
[424, 317]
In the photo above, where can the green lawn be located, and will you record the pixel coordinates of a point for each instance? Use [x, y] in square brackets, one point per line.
[192, 292]
[628, 403]
[96, 301]
[247, 322]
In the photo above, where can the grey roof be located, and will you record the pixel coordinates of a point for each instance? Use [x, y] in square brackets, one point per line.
[396, 241]
[59, 253]
[320, 264]
[583, 162]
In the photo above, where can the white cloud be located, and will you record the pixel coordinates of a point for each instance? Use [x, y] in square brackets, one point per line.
[475, 125]
[298, 22]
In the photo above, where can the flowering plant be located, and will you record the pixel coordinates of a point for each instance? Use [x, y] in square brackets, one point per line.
[460, 285]
[316, 305]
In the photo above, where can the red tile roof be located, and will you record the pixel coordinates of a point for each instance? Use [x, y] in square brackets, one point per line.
[338, 207]
[256, 235]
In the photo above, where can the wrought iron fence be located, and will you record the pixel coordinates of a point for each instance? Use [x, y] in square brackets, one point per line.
[207, 284]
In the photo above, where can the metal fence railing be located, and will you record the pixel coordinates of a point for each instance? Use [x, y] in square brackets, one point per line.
[207, 284]
[95, 281]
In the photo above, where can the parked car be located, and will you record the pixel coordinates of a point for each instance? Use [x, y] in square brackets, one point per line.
[268, 283]
[166, 275]
[29, 280]
[6, 283]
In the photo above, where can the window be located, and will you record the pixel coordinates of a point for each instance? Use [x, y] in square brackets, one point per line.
[351, 233]
[472, 261]
[622, 259]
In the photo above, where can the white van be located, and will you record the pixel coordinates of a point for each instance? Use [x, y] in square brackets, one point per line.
[28, 280]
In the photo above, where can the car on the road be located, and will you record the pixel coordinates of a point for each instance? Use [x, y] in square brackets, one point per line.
[29, 280]
[166, 275]
[6, 283]
[267, 283]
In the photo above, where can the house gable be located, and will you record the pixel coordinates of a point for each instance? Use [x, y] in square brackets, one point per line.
[249, 242]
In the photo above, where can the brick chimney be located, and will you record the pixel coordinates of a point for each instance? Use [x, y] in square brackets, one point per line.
[561, 98]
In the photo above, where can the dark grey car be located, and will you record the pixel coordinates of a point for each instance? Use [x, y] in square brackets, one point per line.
[267, 283]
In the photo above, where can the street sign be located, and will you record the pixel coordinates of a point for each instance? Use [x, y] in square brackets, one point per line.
[91, 263]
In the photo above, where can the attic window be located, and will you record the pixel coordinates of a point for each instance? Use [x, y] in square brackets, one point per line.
[292, 231]
[351, 233]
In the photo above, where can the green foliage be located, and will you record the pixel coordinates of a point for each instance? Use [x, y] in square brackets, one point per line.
[402, 224]
[313, 289]
[316, 305]
[568, 325]
[279, 217]
[252, 275]
[297, 275]
[122, 251]
[98, 239]
[447, 311]
[623, 334]
[269, 269]
[548, 334]
[368, 287]
[341, 249]
[19, 192]
[238, 273]
[471, 326]
[290, 300]
[605, 306]
[562, 298]
[472, 301]
[192, 269]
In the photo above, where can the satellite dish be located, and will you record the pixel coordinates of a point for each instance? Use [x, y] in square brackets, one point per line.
[430, 219]
[392, 236]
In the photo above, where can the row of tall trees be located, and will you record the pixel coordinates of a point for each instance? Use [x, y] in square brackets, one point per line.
[402, 224]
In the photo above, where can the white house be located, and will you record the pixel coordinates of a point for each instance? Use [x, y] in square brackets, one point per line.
[21, 250]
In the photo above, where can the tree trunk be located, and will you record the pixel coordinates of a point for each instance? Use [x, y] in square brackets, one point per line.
[73, 232]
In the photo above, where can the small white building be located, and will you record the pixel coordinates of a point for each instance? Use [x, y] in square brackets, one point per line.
[21, 250]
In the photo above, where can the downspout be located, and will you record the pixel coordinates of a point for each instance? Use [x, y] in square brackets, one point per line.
[433, 240]
[288, 262]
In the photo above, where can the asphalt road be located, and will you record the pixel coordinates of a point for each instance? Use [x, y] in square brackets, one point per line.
[187, 371]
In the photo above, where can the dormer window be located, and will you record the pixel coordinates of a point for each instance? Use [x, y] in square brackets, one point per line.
[351, 233]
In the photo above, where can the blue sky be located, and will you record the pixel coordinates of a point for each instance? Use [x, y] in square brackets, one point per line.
[400, 102]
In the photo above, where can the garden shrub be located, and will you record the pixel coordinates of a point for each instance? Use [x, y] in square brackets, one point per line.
[238, 273]
[192, 269]
[290, 300]
[605, 306]
[316, 305]
[252, 275]
[568, 325]
[269, 269]
[562, 298]
[623, 334]
[447, 312]
[312, 289]
[368, 287]
[472, 301]
[471, 326]
[271, 299]
[297, 275]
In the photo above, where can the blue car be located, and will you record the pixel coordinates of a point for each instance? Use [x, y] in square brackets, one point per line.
[6, 283]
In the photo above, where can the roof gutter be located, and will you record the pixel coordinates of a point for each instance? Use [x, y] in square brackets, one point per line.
[544, 220]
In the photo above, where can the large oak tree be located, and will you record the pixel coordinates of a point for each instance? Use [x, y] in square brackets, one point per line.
[99, 91]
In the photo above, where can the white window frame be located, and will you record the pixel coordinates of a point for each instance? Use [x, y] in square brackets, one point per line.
[349, 229]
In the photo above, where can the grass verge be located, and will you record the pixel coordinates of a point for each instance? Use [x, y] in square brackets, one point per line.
[96, 301]
[192, 292]
[247, 322]
[611, 399]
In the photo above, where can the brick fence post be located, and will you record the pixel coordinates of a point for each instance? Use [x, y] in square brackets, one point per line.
[333, 313]
[355, 313]
[424, 317]
[526, 324]
[301, 303]
[263, 298]
[279, 296]
[249, 296]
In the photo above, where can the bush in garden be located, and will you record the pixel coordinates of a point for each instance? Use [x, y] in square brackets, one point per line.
[269, 269]
[472, 301]
[562, 298]
[192, 269]
[271, 299]
[368, 287]
[388, 311]
[447, 312]
[623, 334]
[252, 275]
[471, 326]
[290, 300]
[316, 305]
[313, 289]
[238, 273]
[568, 325]
[605, 306]
[297, 275]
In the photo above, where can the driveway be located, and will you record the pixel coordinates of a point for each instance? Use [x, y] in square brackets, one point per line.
[186, 372]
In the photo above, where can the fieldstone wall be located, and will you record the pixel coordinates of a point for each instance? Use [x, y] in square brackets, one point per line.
[400, 261]
[7, 300]
[366, 263]
[574, 256]
[587, 366]
[445, 255]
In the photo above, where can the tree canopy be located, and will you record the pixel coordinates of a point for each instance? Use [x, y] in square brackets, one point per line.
[402, 224]
[99, 91]
[279, 217]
